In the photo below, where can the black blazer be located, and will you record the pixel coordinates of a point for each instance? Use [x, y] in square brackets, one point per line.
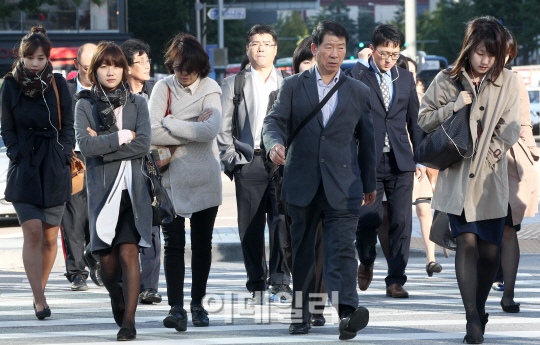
[401, 121]
[39, 168]
[341, 155]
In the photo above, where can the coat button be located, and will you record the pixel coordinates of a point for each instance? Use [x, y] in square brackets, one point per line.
[482, 108]
[322, 160]
[344, 165]
[471, 175]
[322, 138]
[386, 120]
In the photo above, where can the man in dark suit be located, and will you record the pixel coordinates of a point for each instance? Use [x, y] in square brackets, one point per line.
[329, 171]
[394, 107]
[240, 153]
[136, 52]
[75, 220]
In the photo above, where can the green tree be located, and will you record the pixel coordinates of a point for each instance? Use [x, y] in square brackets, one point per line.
[290, 30]
[7, 8]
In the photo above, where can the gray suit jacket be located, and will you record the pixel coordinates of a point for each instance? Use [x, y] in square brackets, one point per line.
[340, 155]
[237, 152]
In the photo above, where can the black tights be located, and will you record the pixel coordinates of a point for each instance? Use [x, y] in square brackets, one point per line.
[122, 262]
[476, 266]
[509, 263]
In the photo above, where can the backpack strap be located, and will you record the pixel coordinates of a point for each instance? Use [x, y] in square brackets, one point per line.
[57, 102]
[238, 92]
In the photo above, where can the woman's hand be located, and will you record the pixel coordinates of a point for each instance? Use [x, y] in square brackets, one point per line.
[204, 115]
[91, 131]
[134, 135]
[464, 98]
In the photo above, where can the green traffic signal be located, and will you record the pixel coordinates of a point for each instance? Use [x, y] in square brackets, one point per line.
[405, 45]
[352, 57]
[361, 44]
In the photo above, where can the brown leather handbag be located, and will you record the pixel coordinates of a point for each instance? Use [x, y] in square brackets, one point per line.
[77, 165]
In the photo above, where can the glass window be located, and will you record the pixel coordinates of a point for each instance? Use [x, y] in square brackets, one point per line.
[13, 23]
[62, 16]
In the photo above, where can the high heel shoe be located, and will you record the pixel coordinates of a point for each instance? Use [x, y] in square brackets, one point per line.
[433, 267]
[484, 321]
[510, 308]
[118, 313]
[126, 334]
[473, 340]
[42, 314]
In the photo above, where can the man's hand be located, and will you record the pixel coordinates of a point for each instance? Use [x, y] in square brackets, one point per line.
[420, 173]
[277, 154]
[365, 54]
[369, 198]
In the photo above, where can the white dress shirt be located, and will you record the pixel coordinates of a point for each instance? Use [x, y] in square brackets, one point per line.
[323, 90]
[262, 90]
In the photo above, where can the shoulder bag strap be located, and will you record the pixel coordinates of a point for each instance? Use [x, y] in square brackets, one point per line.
[57, 102]
[238, 89]
[168, 111]
[316, 110]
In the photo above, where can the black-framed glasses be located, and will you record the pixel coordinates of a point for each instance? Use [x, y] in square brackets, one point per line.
[83, 67]
[143, 62]
[386, 55]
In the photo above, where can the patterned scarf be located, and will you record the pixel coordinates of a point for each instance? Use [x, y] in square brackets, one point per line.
[31, 83]
[104, 101]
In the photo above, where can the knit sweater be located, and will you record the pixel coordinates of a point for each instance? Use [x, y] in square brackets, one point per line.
[193, 179]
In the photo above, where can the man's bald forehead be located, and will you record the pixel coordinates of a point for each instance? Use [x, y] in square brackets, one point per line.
[83, 47]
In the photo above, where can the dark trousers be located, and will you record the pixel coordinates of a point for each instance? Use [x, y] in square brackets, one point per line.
[340, 265]
[174, 235]
[75, 235]
[398, 187]
[151, 262]
[255, 200]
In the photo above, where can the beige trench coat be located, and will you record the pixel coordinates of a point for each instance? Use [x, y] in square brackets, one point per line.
[478, 185]
[522, 176]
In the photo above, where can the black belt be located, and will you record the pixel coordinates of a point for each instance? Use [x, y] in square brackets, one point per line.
[257, 152]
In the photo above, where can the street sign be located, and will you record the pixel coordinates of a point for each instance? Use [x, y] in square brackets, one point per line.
[228, 14]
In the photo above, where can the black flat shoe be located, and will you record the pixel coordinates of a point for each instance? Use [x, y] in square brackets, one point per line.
[473, 340]
[299, 328]
[43, 313]
[510, 308]
[317, 320]
[433, 267]
[125, 334]
[199, 316]
[484, 321]
[177, 319]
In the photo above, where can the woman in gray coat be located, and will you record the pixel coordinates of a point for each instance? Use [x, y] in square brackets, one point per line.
[113, 131]
[474, 191]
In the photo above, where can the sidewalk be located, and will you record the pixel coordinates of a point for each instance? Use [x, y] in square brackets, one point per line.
[226, 240]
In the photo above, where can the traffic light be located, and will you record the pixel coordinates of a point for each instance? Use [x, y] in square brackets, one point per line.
[405, 45]
[351, 58]
[361, 44]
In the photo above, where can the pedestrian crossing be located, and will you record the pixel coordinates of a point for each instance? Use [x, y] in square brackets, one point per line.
[432, 315]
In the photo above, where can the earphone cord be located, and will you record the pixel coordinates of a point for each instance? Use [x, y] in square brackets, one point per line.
[48, 110]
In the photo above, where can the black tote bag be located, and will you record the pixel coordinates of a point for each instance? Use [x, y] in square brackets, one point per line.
[162, 207]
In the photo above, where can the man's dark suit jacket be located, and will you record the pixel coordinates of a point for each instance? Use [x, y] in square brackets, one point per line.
[401, 119]
[340, 155]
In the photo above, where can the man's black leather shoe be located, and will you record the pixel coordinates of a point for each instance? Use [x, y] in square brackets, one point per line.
[349, 325]
[79, 284]
[199, 316]
[317, 320]
[149, 296]
[94, 266]
[177, 319]
[299, 328]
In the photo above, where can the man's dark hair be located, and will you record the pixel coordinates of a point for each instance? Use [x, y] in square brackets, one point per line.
[134, 47]
[261, 29]
[302, 53]
[328, 27]
[386, 34]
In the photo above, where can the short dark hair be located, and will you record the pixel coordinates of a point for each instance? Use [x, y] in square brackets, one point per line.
[261, 29]
[302, 53]
[33, 41]
[402, 62]
[385, 34]
[109, 53]
[190, 54]
[134, 47]
[511, 42]
[328, 27]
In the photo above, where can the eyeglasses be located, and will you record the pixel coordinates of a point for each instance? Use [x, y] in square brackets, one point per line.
[143, 62]
[386, 55]
[256, 45]
[81, 65]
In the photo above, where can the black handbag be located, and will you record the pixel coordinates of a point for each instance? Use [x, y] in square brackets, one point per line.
[440, 233]
[449, 143]
[162, 207]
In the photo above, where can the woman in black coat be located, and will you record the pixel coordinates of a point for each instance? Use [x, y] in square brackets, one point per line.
[38, 133]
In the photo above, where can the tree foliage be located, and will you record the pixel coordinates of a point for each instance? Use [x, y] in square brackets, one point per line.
[290, 30]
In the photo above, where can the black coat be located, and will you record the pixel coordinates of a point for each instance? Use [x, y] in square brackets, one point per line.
[40, 154]
[401, 120]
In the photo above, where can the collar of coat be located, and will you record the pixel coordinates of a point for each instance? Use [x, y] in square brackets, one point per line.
[206, 86]
[498, 82]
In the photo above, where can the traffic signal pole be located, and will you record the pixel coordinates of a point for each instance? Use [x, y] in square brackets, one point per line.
[410, 27]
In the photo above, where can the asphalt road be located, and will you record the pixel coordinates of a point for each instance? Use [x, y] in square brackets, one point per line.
[432, 315]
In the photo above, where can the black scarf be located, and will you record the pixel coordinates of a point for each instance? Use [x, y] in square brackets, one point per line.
[31, 83]
[104, 100]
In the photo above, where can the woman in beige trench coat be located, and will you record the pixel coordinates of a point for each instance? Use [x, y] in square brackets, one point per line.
[523, 188]
[474, 191]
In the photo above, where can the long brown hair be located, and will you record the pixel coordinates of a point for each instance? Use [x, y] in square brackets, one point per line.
[482, 29]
